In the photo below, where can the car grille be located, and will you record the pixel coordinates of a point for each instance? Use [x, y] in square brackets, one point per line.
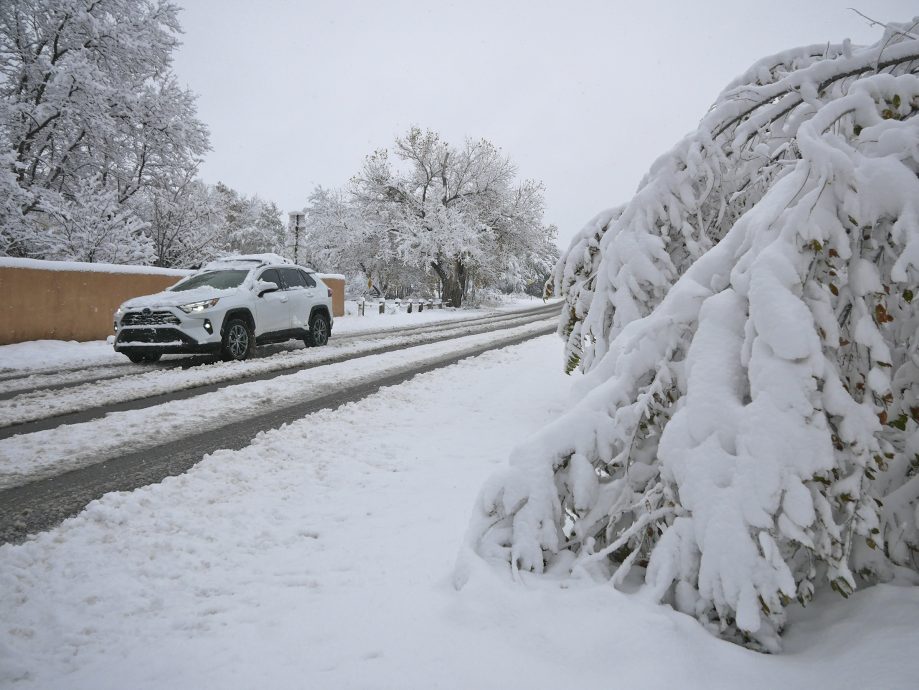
[153, 336]
[154, 318]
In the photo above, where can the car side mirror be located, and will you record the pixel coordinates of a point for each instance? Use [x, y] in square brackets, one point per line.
[263, 287]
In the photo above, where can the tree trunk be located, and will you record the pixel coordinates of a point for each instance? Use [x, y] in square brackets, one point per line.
[452, 282]
[455, 285]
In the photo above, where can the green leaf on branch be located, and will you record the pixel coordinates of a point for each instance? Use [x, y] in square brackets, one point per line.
[899, 422]
[572, 363]
[840, 586]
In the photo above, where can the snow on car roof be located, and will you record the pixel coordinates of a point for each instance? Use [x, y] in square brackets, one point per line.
[246, 261]
[267, 258]
[249, 261]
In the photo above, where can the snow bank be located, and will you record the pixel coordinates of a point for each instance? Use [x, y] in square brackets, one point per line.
[57, 354]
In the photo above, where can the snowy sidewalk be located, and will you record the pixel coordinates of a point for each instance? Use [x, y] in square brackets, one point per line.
[321, 557]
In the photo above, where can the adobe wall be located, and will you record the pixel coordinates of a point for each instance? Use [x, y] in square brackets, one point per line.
[41, 301]
[38, 304]
[337, 284]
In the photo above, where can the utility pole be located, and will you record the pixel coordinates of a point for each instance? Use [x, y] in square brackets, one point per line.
[296, 224]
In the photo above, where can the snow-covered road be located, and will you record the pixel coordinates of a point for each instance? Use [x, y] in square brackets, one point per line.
[55, 395]
[321, 557]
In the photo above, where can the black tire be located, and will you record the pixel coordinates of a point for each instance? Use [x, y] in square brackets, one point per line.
[143, 358]
[318, 333]
[236, 343]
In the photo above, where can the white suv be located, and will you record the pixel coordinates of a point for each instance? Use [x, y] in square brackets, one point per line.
[227, 307]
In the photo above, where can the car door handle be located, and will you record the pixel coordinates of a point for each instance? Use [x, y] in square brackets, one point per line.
[283, 299]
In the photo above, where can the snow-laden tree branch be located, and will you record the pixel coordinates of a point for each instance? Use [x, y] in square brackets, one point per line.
[747, 425]
[87, 94]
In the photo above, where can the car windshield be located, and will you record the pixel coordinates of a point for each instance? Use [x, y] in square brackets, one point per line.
[220, 280]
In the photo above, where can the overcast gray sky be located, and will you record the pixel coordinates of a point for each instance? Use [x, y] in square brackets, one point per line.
[582, 95]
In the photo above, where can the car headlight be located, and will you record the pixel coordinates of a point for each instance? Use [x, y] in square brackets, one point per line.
[195, 307]
[119, 312]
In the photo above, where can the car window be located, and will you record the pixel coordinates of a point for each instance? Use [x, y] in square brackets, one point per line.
[293, 278]
[271, 275]
[220, 280]
[308, 278]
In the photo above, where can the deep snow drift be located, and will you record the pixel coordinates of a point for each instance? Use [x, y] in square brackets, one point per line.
[321, 557]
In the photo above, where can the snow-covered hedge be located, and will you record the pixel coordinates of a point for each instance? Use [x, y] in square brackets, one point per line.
[746, 429]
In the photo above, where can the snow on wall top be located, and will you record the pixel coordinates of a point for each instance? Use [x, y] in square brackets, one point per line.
[37, 264]
[40, 264]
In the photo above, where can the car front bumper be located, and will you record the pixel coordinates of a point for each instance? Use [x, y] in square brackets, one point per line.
[167, 330]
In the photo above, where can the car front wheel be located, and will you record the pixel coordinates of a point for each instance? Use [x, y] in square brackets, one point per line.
[318, 334]
[237, 340]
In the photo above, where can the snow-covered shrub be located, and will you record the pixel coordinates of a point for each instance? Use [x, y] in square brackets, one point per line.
[747, 423]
